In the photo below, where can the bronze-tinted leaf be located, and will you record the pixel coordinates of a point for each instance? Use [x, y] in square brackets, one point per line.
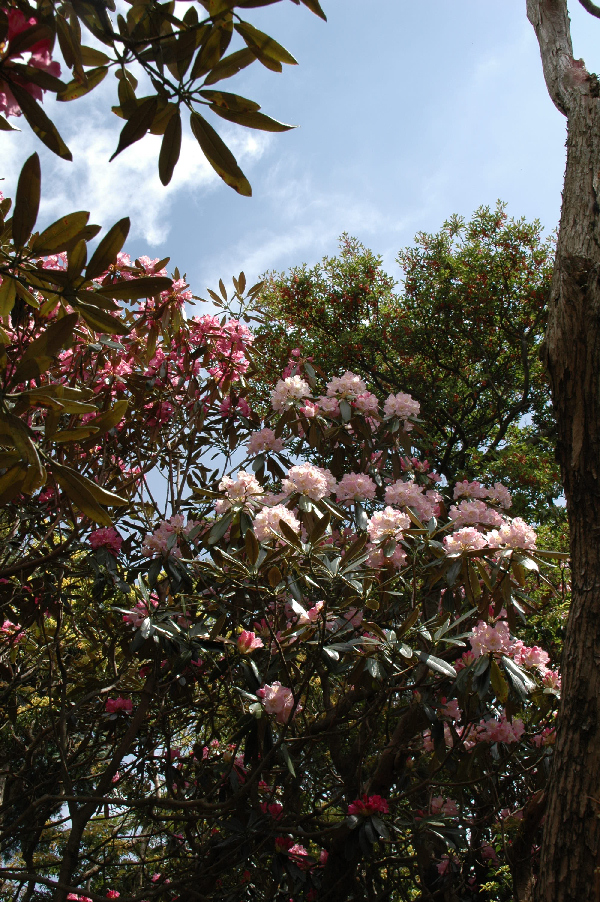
[38, 77]
[315, 7]
[8, 294]
[92, 57]
[57, 336]
[252, 119]
[107, 250]
[70, 46]
[170, 148]
[5, 126]
[76, 88]
[133, 289]
[76, 260]
[27, 201]
[11, 482]
[218, 155]
[137, 125]
[43, 127]
[209, 55]
[26, 295]
[230, 65]
[230, 101]
[57, 236]
[76, 488]
[110, 418]
[27, 38]
[265, 44]
[77, 434]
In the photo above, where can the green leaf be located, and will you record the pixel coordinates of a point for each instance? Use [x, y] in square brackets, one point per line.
[252, 119]
[8, 294]
[219, 529]
[92, 57]
[230, 101]
[5, 126]
[219, 156]
[252, 546]
[138, 124]
[75, 486]
[75, 89]
[43, 127]
[230, 65]
[27, 38]
[499, 684]
[133, 289]
[110, 418]
[77, 434]
[45, 347]
[287, 759]
[170, 148]
[266, 45]
[57, 237]
[99, 320]
[436, 664]
[107, 250]
[27, 201]
[38, 77]
[315, 7]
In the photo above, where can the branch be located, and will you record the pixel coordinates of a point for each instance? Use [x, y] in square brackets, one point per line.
[550, 20]
[591, 8]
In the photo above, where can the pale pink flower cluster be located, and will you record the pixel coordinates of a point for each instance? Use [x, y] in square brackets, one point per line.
[466, 539]
[12, 631]
[512, 534]
[310, 409]
[546, 737]
[445, 806]
[367, 403]
[410, 494]
[551, 680]
[348, 386]
[356, 487]
[376, 558]
[278, 700]
[486, 638]
[309, 480]
[402, 406]
[471, 513]
[136, 617]
[158, 542]
[107, 538]
[531, 657]
[264, 440]
[248, 641]
[288, 391]
[498, 493]
[243, 490]
[312, 615]
[329, 406]
[387, 524]
[500, 730]
[266, 523]
[451, 709]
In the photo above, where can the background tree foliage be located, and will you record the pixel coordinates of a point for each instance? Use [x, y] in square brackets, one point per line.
[463, 335]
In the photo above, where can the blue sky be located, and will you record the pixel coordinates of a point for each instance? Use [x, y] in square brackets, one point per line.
[408, 112]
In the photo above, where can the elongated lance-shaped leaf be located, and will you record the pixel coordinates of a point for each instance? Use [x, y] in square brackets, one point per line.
[27, 201]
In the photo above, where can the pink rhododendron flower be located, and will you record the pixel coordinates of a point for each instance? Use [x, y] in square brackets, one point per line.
[441, 805]
[278, 700]
[471, 513]
[112, 894]
[266, 522]
[401, 406]
[500, 730]
[486, 638]
[546, 737]
[314, 482]
[240, 491]
[368, 805]
[367, 403]
[500, 494]
[312, 615]
[247, 642]
[348, 386]
[12, 631]
[275, 809]
[264, 440]
[551, 679]
[531, 657]
[288, 391]
[356, 487]
[451, 709]
[164, 539]
[329, 406]
[376, 558]
[469, 490]
[513, 534]
[118, 705]
[386, 524]
[228, 409]
[466, 539]
[106, 538]
[409, 494]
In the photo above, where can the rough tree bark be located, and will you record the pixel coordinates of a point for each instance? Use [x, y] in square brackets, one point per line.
[570, 857]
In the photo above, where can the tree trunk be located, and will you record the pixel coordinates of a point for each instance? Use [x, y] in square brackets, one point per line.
[570, 858]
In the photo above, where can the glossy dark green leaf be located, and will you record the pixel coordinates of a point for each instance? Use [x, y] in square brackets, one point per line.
[57, 236]
[137, 125]
[265, 44]
[57, 336]
[170, 148]
[218, 155]
[77, 89]
[133, 289]
[27, 201]
[436, 664]
[92, 57]
[230, 65]
[43, 127]
[219, 529]
[99, 320]
[252, 119]
[107, 250]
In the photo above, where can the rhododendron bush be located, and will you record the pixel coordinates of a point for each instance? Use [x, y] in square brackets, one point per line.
[243, 658]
